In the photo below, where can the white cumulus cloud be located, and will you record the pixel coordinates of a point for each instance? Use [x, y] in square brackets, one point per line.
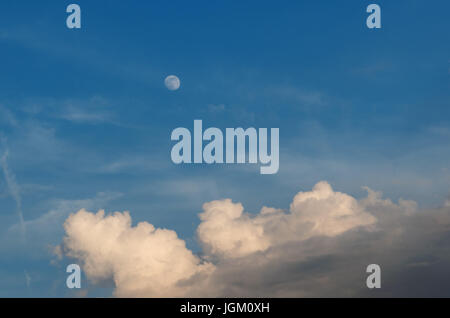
[142, 260]
[227, 230]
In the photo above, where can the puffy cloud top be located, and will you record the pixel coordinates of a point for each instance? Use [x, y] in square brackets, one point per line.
[330, 213]
[141, 260]
[226, 230]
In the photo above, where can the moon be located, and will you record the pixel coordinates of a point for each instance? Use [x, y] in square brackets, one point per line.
[172, 82]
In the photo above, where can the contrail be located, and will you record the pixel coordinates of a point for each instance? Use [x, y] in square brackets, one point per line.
[13, 187]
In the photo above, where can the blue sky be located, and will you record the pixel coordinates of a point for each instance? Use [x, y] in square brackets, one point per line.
[86, 120]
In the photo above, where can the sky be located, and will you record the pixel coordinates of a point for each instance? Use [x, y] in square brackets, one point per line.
[86, 120]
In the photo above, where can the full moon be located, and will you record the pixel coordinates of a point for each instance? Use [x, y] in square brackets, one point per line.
[172, 82]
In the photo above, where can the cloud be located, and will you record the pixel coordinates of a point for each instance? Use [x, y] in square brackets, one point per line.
[12, 185]
[412, 247]
[92, 110]
[321, 247]
[78, 115]
[145, 261]
[142, 260]
[27, 279]
[226, 230]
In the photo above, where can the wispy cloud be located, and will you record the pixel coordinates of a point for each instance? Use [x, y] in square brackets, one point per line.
[12, 184]
[27, 279]
[92, 110]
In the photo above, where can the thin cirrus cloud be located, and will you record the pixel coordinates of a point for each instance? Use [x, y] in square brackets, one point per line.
[13, 186]
[92, 110]
[321, 247]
